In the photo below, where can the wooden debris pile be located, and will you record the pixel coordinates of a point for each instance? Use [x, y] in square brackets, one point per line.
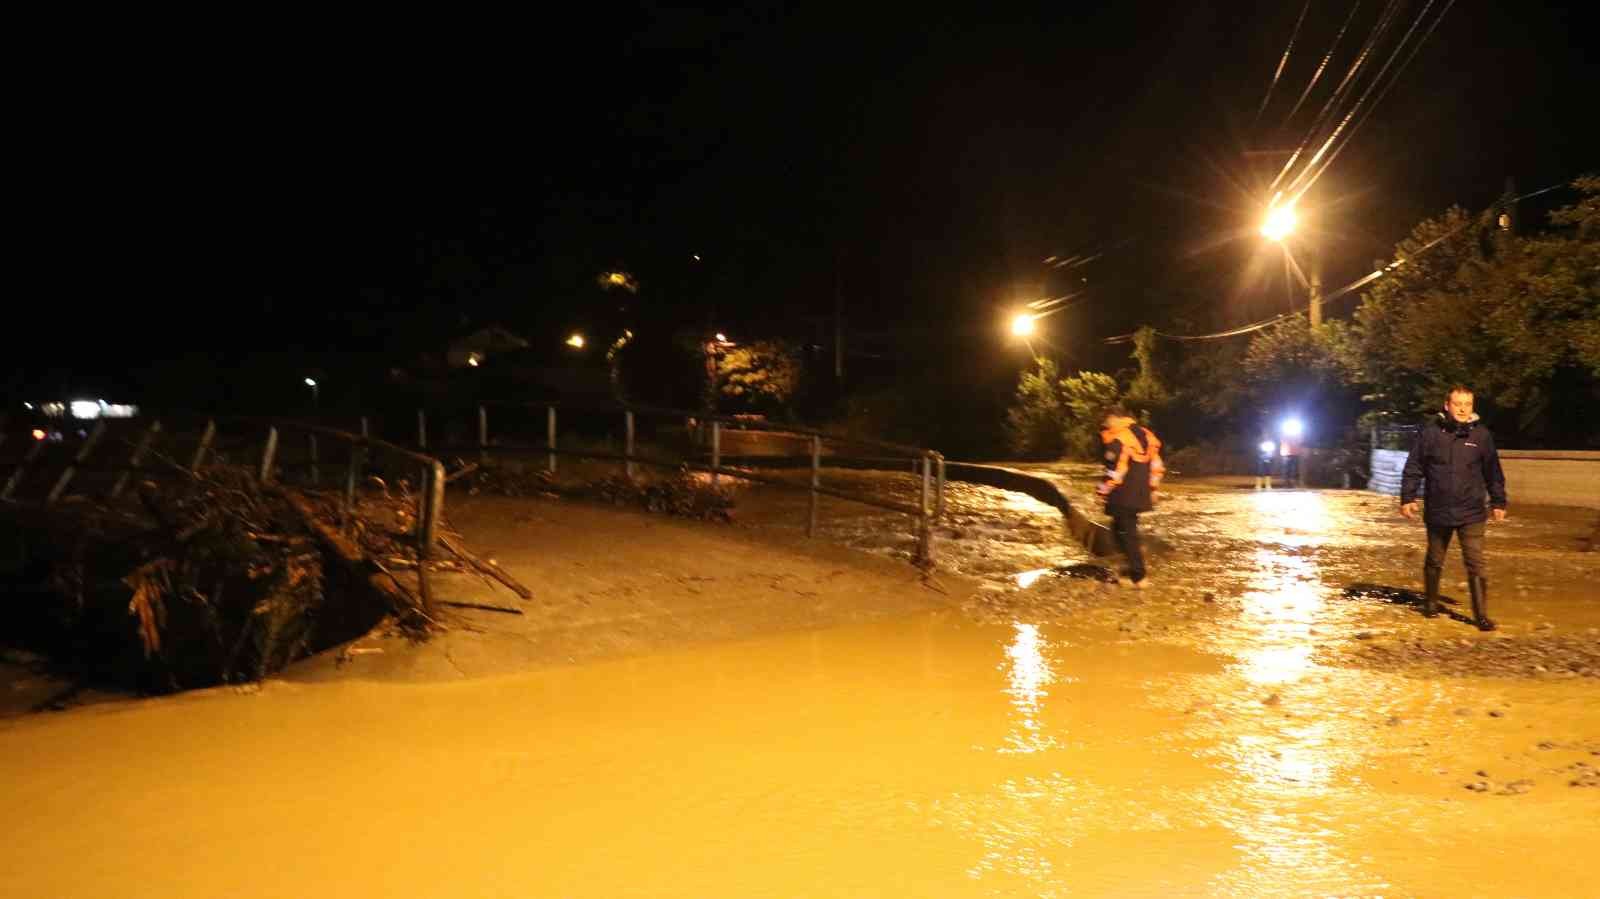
[682, 494]
[215, 578]
[211, 579]
[504, 480]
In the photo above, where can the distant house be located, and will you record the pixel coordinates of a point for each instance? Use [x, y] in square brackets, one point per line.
[476, 348]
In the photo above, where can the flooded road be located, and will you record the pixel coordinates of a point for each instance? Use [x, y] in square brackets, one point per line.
[924, 757]
[1226, 733]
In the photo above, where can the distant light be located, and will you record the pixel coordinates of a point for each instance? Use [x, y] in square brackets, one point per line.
[1022, 325]
[1280, 221]
[85, 409]
[575, 341]
[27, 405]
[695, 256]
[311, 382]
[1292, 427]
[721, 337]
[1268, 446]
[38, 434]
[472, 360]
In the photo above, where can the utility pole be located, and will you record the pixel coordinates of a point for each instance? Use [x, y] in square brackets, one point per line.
[838, 322]
[1315, 289]
[1507, 220]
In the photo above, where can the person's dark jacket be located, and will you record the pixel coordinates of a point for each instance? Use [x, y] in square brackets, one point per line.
[1456, 468]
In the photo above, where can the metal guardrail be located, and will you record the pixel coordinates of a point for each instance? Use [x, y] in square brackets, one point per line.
[929, 465]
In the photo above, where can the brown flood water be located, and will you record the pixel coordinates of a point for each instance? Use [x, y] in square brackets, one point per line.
[923, 757]
[1199, 739]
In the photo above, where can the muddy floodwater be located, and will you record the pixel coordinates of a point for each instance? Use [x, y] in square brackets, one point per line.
[1271, 719]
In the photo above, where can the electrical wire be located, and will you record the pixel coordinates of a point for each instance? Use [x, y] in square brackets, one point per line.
[1325, 60]
[1329, 105]
[1350, 288]
[1283, 61]
[1381, 94]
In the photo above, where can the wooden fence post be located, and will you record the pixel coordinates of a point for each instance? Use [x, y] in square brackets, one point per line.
[136, 459]
[83, 455]
[268, 453]
[816, 481]
[206, 437]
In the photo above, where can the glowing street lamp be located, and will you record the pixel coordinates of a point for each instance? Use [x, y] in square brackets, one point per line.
[1279, 223]
[618, 279]
[1022, 324]
[575, 341]
[1277, 226]
[1292, 427]
[312, 383]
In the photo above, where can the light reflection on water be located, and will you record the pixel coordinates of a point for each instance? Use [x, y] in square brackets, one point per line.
[1283, 765]
[1028, 672]
[1026, 579]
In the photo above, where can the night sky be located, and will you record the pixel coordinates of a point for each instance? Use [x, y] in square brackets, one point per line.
[382, 186]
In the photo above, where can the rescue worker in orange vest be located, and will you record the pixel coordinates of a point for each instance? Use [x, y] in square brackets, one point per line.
[1133, 472]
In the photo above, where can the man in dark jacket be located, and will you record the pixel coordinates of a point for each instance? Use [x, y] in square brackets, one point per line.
[1133, 472]
[1454, 462]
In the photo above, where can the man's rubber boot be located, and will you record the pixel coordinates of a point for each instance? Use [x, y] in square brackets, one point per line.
[1480, 603]
[1430, 593]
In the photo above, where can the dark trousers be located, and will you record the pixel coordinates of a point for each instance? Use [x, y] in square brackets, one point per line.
[1291, 469]
[1471, 547]
[1125, 526]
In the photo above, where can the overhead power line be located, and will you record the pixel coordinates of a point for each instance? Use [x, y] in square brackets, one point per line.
[1346, 290]
[1285, 60]
[1315, 76]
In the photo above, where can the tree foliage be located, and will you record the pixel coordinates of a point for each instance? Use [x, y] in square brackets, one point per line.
[1506, 314]
[1147, 392]
[1052, 416]
[764, 373]
[1086, 394]
[1035, 421]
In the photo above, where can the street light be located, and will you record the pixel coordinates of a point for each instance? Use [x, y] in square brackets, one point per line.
[1277, 226]
[575, 341]
[1022, 324]
[312, 383]
[618, 279]
[1280, 221]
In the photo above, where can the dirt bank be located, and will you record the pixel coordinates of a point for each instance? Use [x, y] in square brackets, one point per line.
[614, 582]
